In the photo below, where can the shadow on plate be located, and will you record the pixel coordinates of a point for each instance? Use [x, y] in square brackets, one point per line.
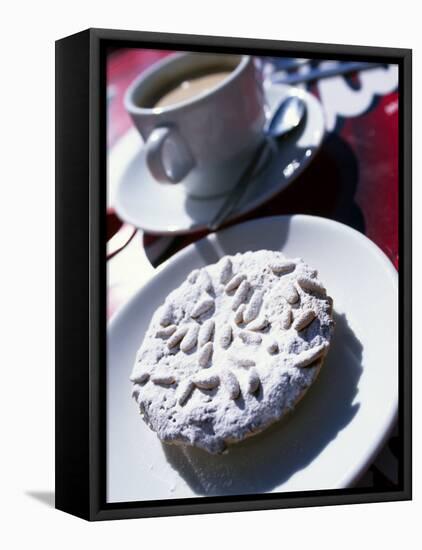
[269, 459]
[227, 242]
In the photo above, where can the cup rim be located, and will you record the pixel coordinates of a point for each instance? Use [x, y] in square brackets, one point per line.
[134, 109]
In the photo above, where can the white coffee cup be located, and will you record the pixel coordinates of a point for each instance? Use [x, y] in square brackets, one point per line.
[204, 142]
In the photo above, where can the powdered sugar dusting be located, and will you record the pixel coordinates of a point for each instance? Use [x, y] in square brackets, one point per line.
[232, 349]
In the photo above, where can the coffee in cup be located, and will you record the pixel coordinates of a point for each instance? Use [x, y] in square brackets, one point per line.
[190, 87]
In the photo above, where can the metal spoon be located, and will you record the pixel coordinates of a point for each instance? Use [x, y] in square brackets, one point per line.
[288, 115]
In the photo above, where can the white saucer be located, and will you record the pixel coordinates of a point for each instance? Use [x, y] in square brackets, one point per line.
[166, 209]
[339, 426]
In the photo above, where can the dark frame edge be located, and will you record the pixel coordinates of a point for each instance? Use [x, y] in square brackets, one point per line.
[72, 255]
[405, 281]
[316, 48]
[97, 315]
[198, 508]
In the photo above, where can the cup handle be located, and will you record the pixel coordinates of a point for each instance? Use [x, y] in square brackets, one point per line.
[179, 159]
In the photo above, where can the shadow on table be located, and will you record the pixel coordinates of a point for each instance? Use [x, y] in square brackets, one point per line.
[45, 497]
[268, 460]
[326, 188]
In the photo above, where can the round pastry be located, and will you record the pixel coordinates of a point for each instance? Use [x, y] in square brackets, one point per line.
[232, 349]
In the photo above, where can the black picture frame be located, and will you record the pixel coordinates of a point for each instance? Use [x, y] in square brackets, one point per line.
[81, 278]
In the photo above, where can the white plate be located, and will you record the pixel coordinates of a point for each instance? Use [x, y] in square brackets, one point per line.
[135, 195]
[337, 428]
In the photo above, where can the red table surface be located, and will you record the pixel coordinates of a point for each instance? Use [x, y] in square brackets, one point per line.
[353, 179]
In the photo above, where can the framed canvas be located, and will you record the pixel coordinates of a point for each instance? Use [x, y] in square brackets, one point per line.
[233, 276]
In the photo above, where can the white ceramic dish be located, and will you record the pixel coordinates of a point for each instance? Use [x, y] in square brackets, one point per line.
[135, 194]
[336, 429]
